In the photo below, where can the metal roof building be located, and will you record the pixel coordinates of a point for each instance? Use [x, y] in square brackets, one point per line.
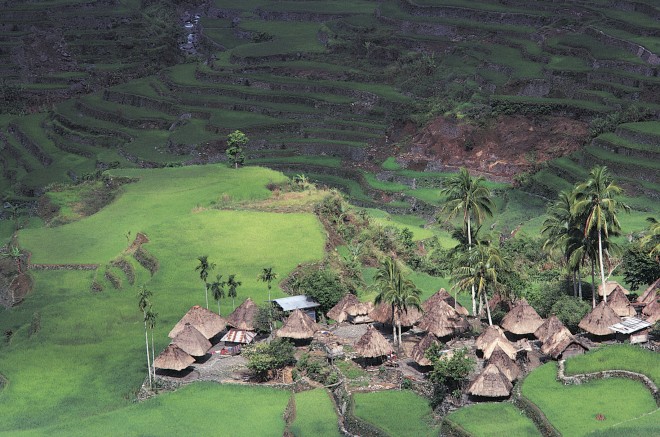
[296, 302]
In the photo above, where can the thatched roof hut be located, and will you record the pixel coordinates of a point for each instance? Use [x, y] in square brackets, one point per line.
[491, 383]
[191, 341]
[548, 328]
[501, 343]
[522, 319]
[651, 293]
[563, 344]
[620, 304]
[442, 296]
[418, 353]
[382, 313]
[205, 321]
[359, 312]
[652, 311]
[488, 336]
[338, 312]
[372, 344]
[298, 326]
[598, 320]
[443, 320]
[244, 316]
[610, 287]
[506, 365]
[173, 358]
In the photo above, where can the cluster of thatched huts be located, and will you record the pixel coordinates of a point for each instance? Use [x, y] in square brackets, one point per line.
[192, 335]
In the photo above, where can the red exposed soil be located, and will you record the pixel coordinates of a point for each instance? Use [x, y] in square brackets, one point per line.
[508, 146]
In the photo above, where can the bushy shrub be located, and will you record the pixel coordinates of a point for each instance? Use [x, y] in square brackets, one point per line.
[570, 311]
[323, 285]
[263, 358]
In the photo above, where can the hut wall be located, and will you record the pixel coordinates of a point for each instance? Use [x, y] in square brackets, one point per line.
[572, 350]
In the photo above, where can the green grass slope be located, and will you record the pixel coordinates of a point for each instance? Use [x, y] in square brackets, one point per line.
[87, 356]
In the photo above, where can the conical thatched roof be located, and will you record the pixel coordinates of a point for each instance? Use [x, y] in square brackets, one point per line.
[620, 304]
[298, 325]
[205, 321]
[652, 311]
[243, 317]
[383, 313]
[598, 320]
[501, 343]
[548, 328]
[488, 336]
[610, 286]
[556, 344]
[443, 320]
[651, 293]
[191, 341]
[522, 319]
[491, 383]
[372, 344]
[442, 296]
[173, 358]
[419, 350]
[506, 365]
[338, 312]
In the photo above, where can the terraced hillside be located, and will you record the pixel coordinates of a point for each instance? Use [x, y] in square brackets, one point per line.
[331, 88]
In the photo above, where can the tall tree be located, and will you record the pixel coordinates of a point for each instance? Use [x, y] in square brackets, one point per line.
[471, 198]
[204, 267]
[217, 289]
[595, 199]
[397, 291]
[235, 143]
[232, 285]
[651, 240]
[150, 317]
[143, 303]
[478, 269]
[267, 275]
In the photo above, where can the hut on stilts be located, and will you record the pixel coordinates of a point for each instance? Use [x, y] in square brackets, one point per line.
[298, 326]
[491, 383]
[173, 358]
[372, 345]
[522, 320]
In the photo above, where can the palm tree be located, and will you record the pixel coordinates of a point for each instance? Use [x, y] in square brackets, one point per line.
[150, 317]
[205, 268]
[651, 241]
[397, 290]
[143, 303]
[595, 199]
[232, 285]
[217, 289]
[268, 276]
[469, 197]
[478, 269]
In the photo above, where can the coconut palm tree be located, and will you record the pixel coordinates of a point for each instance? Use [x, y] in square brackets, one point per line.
[651, 241]
[217, 289]
[232, 285]
[204, 267]
[595, 199]
[143, 303]
[396, 290]
[471, 198]
[478, 269]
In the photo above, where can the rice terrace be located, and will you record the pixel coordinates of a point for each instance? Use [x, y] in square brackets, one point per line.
[325, 218]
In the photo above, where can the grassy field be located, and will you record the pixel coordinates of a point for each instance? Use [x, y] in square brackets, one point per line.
[315, 415]
[617, 357]
[199, 409]
[86, 339]
[398, 413]
[493, 420]
[573, 409]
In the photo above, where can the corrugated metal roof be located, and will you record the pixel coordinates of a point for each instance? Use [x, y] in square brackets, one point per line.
[239, 336]
[630, 325]
[296, 302]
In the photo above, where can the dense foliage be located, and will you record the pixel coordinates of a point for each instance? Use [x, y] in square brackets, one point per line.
[264, 358]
